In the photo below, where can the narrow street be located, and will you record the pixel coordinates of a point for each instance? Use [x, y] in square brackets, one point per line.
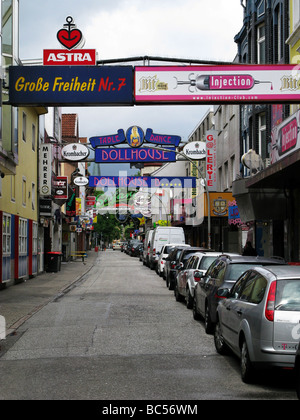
[119, 334]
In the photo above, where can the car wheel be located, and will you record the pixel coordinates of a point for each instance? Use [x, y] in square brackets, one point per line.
[178, 296]
[209, 327]
[196, 315]
[246, 365]
[220, 345]
[189, 299]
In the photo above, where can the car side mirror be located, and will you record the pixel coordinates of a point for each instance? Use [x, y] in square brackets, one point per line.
[223, 293]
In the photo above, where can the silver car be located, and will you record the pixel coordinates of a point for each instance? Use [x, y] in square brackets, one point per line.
[189, 276]
[259, 318]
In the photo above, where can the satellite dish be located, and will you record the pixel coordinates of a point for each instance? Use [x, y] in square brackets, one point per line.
[252, 161]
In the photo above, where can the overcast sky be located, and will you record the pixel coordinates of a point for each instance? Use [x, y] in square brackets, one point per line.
[193, 29]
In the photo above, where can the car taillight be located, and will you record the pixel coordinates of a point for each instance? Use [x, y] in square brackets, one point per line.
[197, 277]
[154, 252]
[270, 305]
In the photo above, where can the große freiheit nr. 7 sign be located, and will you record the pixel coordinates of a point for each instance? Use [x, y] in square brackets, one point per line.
[70, 85]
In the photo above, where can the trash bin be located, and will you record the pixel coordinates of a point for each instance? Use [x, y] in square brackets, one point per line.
[53, 262]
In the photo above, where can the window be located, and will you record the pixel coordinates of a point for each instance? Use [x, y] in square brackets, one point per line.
[33, 136]
[6, 236]
[13, 188]
[261, 44]
[278, 33]
[22, 236]
[24, 191]
[33, 196]
[261, 8]
[232, 163]
[262, 138]
[288, 295]
[24, 127]
[34, 237]
[296, 13]
[259, 289]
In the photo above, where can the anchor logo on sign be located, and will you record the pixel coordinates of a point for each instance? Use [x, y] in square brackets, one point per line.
[70, 37]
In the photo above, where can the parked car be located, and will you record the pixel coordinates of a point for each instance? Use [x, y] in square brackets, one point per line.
[116, 245]
[165, 252]
[189, 276]
[176, 262]
[164, 235]
[259, 318]
[222, 274]
[297, 370]
[136, 249]
[147, 243]
[131, 250]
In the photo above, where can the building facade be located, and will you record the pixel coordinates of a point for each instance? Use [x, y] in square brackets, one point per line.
[268, 195]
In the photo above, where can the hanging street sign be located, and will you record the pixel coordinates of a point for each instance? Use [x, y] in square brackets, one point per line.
[70, 85]
[130, 155]
[195, 150]
[144, 181]
[75, 152]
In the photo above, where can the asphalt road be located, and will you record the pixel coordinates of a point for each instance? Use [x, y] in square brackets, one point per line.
[119, 334]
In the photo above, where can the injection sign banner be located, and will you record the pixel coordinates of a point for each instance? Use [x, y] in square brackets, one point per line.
[217, 84]
[70, 85]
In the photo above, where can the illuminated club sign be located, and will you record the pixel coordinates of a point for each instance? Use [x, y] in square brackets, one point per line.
[129, 155]
[217, 84]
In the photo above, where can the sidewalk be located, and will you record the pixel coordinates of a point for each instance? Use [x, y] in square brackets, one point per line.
[20, 301]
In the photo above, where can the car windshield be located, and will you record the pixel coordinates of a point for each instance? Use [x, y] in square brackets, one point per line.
[206, 262]
[288, 295]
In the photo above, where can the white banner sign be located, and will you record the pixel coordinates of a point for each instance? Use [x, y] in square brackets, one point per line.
[218, 84]
[45, 169]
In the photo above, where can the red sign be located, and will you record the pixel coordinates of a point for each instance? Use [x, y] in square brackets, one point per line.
[61, 187]
[69, 58]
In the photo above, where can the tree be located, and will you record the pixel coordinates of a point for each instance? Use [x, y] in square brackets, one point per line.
[108, 227]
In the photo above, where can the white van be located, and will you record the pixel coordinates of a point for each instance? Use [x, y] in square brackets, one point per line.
[161, 236]
[146, 251]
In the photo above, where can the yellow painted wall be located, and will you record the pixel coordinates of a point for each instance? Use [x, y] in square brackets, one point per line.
[13, 191]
